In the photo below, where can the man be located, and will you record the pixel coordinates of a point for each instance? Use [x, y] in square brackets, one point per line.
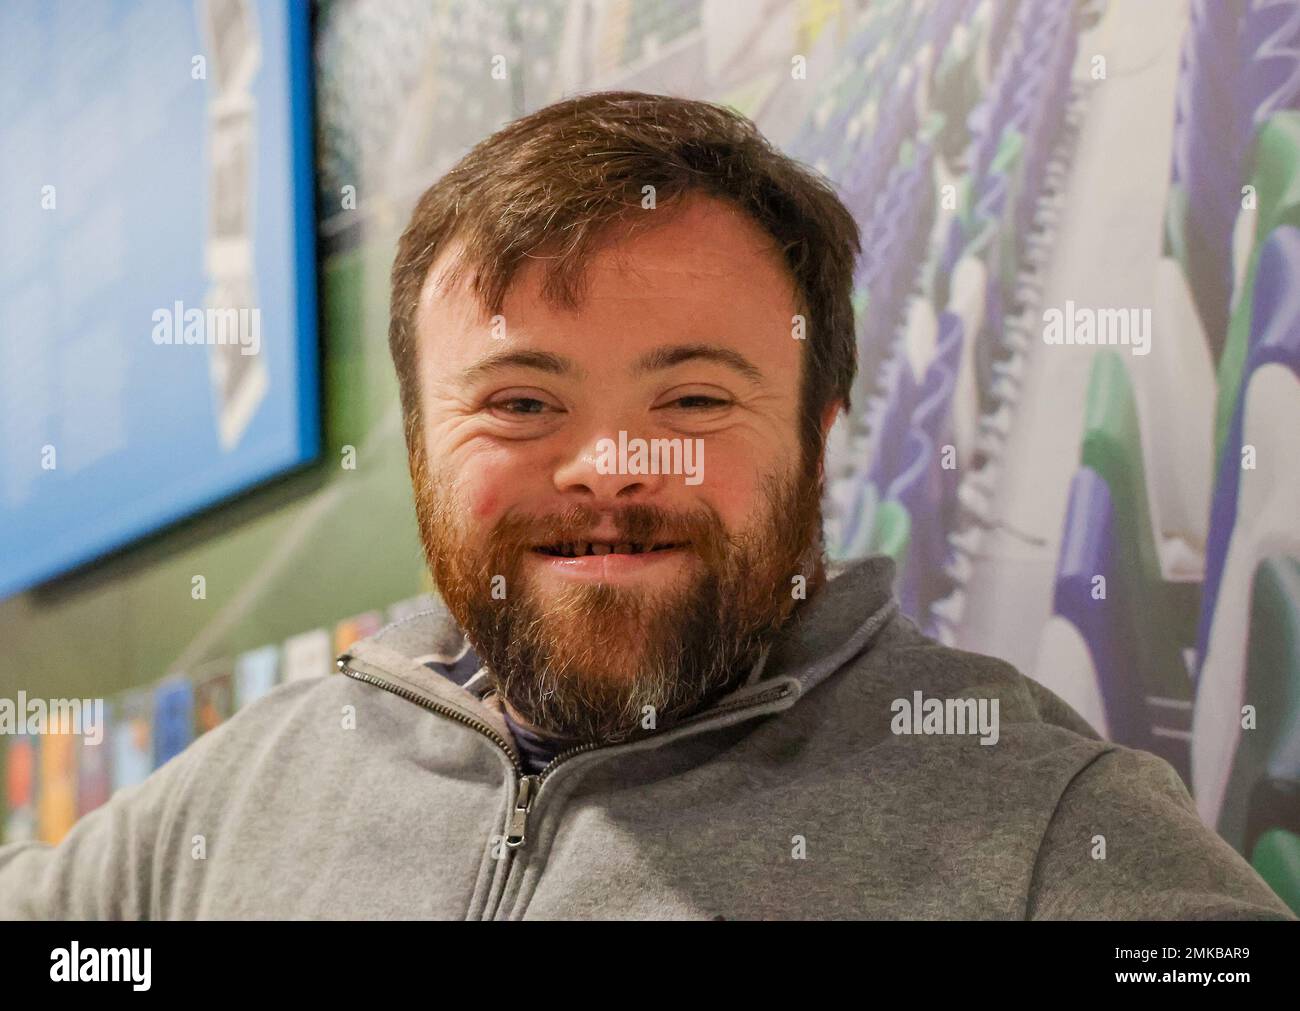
[622, 330]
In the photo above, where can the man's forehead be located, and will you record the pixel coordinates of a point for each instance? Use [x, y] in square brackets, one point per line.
[705, 238]
[707, 265]
[698, 236]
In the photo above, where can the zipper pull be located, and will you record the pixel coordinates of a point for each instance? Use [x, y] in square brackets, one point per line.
[519, 816]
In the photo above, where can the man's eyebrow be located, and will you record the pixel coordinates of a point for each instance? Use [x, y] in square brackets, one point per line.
[674, 354]
[543, 361]
[652, 361]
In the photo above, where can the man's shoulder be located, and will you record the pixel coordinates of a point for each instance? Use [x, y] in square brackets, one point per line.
[288, 703]
[906, 661]
[282, 753]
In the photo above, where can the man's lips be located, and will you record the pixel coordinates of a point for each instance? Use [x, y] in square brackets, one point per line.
[612, 565]
[580, 548]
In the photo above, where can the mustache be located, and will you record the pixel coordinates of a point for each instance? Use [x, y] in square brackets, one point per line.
[641, 524]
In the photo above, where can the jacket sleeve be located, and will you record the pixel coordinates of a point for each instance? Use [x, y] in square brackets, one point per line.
[1125, 842]
[112, 863]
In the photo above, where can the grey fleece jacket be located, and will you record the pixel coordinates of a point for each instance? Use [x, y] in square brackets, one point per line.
[388, 791]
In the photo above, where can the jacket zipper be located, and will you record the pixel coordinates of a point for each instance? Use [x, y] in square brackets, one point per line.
[524, 791]
[528, 786]
[420, 700]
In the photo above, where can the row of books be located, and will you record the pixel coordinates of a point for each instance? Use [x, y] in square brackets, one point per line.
[53, 777]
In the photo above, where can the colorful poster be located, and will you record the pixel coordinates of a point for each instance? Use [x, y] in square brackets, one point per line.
[95, 767]
[56, 805]
[173, 719]
[350, 630]
[256, 673]
[20, 787]
[132, 736]
[214, 700]
[308, 655]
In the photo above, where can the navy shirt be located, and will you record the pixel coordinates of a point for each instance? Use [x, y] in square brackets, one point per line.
[535, 750]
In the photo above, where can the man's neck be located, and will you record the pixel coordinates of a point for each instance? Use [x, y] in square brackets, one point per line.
[517, 719]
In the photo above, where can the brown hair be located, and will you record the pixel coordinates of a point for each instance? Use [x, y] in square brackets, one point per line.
[554, 182]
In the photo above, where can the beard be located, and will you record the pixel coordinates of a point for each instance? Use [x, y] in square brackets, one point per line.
[597, 662]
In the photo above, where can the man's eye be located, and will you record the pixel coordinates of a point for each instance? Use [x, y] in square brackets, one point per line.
[700, 402]
[520, 405]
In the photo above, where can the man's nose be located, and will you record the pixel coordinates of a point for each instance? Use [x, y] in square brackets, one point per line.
[603, 469]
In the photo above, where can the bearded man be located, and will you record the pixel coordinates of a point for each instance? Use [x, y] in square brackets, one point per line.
[641, 693]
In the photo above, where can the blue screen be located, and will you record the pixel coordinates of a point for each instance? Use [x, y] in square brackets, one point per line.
[158, 345]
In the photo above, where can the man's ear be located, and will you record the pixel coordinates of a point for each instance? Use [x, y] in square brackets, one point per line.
[829, 414]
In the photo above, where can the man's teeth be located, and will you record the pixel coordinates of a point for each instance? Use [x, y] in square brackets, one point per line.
[581, 548]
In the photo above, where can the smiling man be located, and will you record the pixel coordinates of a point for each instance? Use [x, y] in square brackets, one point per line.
[641, 693]
[605, 598]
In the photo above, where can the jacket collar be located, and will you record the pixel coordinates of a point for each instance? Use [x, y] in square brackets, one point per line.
[836, 624]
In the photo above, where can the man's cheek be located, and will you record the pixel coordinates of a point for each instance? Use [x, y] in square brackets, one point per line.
[483, 507]
[736, 502]
[483, 492]
[729, 482]
[490, 481]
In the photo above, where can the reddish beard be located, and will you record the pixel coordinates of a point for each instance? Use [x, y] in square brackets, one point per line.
[596, 662]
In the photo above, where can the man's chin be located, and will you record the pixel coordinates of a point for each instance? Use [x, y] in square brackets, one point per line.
[597, 669]
[608, 635]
